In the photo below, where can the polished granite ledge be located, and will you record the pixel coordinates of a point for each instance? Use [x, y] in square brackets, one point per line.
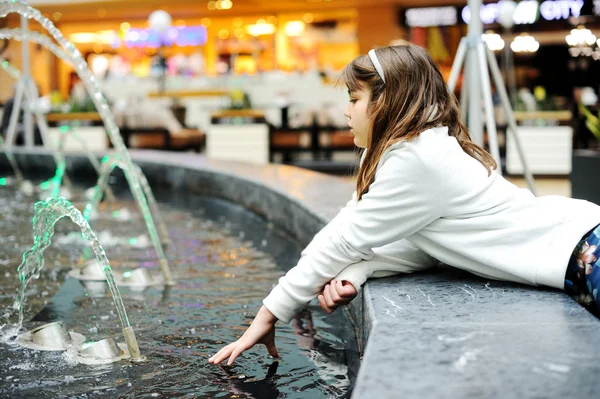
[436, 334]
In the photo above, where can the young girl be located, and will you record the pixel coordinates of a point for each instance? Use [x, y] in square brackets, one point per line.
[426, 193]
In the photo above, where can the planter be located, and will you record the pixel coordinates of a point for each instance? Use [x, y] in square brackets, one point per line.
[585, 181]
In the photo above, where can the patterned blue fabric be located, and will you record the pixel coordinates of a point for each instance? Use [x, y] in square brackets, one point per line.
[582, 280]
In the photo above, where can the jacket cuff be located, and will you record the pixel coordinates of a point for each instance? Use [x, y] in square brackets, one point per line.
[354, 275]
[283, 306]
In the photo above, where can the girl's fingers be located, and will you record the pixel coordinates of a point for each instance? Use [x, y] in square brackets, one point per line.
[327, 294]
[236, 352]
[333, 292]
[347, 290]
[323, 304]
[223, 354]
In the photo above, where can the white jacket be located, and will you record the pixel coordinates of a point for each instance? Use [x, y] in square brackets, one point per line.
[430, 200]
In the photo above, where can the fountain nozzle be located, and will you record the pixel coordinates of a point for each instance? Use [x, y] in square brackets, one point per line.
[51, 335]
[104, 349]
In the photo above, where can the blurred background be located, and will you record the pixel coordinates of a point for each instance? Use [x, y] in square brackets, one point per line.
[254, 80]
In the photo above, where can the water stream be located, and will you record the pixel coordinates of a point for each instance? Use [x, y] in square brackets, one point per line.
[101, 103]
[46, 215]
[150, 210]
[225, 260]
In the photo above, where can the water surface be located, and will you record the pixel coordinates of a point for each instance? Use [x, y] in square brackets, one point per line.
[224, 259]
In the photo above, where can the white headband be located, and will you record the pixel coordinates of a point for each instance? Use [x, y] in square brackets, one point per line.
[376, 63]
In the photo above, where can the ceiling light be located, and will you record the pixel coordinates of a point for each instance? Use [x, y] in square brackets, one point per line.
[294, 28]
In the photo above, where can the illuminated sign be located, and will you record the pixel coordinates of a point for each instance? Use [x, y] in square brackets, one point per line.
[184, 36]
[526, 11]
[561, 9]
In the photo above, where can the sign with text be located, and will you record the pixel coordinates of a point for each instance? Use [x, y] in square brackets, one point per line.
[526, 12]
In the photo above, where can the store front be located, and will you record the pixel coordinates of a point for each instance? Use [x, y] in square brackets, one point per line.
[534, 32]
[235, 46]
[547, 52]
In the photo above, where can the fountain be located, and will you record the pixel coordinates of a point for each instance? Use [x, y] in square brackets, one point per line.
[46, 215]
[177, 327]
[13, 163]
[72, 55]
[31, 97]
[64, 131]
[15, 74]
[54, 183]
[109, 163]
[179, 320]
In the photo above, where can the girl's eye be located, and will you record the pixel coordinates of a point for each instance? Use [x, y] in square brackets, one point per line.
[353, 100]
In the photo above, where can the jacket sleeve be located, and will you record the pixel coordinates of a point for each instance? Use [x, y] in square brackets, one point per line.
[329, 227]
[403, 199]
[401, 257]
[336, 221]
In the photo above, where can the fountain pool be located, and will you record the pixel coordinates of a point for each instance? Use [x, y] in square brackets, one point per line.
[224, 259]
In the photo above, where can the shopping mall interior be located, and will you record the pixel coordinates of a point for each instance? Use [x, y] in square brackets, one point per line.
[277, 63]
[224, 123]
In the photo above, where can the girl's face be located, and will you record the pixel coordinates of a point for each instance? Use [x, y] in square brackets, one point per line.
[358, 120]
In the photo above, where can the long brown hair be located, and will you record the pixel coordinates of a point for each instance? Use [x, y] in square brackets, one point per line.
[413, 98]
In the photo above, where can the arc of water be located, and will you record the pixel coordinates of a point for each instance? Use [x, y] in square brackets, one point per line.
[91, 84]
[11, 158]
[109, 163]
[36, 37]
[13, 162]
[16, 74]
[60, 170]
[46, 215]
[91, 157]
[32, 101]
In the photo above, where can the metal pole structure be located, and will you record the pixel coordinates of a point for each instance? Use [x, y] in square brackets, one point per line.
[474, 33]
[27, 82]
[478, 62]
[14, 116]
[510, 117]
[509, 70]
[486, 90]
[464, 97]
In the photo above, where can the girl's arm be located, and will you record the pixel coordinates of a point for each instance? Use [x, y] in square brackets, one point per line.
[396, 258]
[329, 227]
[261, 331]
[335, 222]
[403, 199]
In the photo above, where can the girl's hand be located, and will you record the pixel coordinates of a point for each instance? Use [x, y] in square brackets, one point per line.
[261, 331]
[335, 294]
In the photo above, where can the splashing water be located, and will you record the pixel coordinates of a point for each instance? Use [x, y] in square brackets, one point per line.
[148, 205]
[64, 131]
[56, 181]
[46, 215]
[11, 158]
[180, 325]
[12, 161]
[101, 103]
[16, 74]
[74, 56]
